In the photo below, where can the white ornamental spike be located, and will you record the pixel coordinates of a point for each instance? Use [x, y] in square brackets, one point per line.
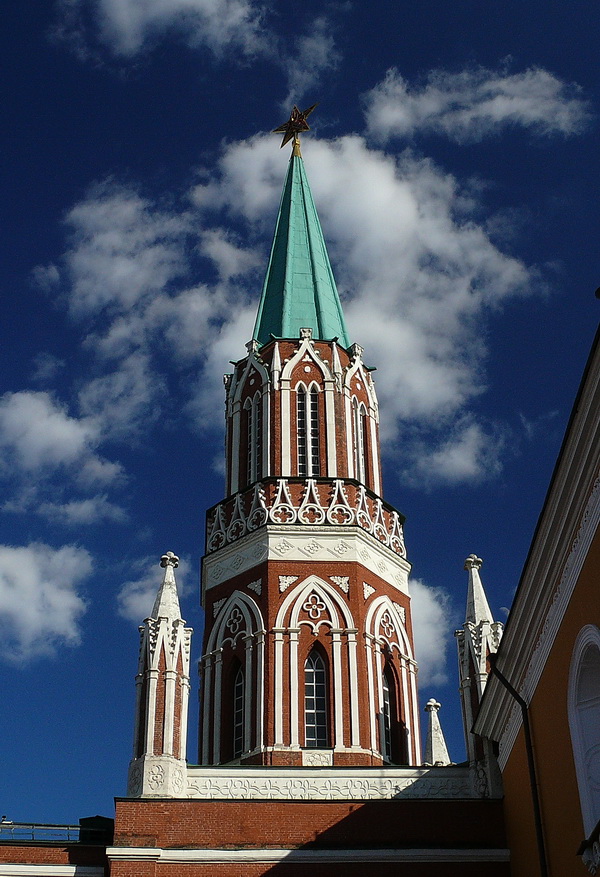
[478, 608]
[436, 751]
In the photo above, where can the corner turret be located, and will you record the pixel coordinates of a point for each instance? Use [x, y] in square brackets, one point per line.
[158, 766]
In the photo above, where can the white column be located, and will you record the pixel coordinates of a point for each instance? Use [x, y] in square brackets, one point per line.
[169, 716]
[185, 699]
[331, 467]
[379, 671]
[152, 676]
[349, 440]
[338, 692]
[412, 675]
[293, 689]
[278, 632]
[375, 456]
[371, 686]
[218, 656]
[352, 669]
[248, 641]
[207, 701]
[260, 687]
[406, 710]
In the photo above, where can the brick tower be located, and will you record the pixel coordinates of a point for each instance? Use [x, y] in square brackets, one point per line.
[308, 650]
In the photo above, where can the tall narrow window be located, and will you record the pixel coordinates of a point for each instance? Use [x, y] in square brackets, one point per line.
[386, 746]
[315, 701]
[359, 441]
[307, 411]
[253, 415]
[238, 713]
[584, 721]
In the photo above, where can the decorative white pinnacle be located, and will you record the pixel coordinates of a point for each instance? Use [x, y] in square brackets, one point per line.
[478, 608]
[436, 751]
[306, 333]
[166, 604]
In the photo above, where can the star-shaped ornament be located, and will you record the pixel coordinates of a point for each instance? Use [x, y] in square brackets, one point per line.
[295, 124]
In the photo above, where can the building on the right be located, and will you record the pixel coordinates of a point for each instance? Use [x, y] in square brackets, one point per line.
[541, 704]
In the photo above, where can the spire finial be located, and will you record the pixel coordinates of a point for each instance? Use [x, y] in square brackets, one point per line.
[294, 126]
[473, 562]
[169, 559]
[436, 751]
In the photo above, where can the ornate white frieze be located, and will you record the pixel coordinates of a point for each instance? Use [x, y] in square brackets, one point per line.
[299, 543]
[328, 783]
[313, 502]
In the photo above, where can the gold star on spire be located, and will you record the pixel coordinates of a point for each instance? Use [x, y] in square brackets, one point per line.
[294, 125]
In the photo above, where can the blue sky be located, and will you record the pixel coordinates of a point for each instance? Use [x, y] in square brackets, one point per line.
[453, 160]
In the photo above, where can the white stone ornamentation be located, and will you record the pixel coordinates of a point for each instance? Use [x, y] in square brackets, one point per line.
[343, 582]
[286, 581]
[218, 605]
[256, 586]
[368, 590]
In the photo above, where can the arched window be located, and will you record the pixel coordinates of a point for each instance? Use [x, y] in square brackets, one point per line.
[307, 416]
[360, 441]
[315, 702]
[392, 740]
[253, 438]
[584, 721]
[238, 713]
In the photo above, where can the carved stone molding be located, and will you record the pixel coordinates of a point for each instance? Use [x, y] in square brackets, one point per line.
[327, 784]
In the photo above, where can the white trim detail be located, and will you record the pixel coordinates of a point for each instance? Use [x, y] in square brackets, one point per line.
[301, 856]
[41, 870]
[584, 710]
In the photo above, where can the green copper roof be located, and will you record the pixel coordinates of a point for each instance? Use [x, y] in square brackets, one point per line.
[299, 290]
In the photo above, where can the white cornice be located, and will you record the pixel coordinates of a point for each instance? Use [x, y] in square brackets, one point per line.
[42, 870]
[302, 856]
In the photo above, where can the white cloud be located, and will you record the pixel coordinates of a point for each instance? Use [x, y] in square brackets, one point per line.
[127, 27]
[40, 607]
[473, 104]
[433, 624]
[83, 511]
[415, 265]
[37, 434]
[470, 454]
[122, 249]
[313, 54]
[136, 598]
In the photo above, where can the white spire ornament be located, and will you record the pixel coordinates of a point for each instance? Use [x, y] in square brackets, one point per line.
[158, 767]
[436, 751]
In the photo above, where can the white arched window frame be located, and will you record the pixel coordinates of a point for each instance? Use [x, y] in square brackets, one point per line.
[338, 618]
[584, 721]
[239, 618]
[308, 430]
[254, 449]
[383, 615]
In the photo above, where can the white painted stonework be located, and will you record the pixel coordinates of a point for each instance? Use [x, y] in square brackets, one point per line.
[301, 856]
[297, 542]
[329, 783]
[157, 776]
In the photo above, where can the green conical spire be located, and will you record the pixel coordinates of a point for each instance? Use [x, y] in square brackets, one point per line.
[299, 289]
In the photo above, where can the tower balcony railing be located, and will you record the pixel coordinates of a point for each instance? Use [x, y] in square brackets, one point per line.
[308, 501]
[54, 833]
